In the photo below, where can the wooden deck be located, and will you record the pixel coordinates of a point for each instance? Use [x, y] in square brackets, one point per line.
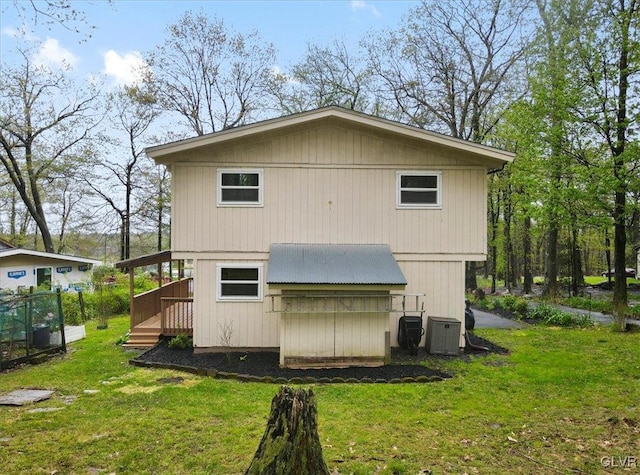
[178, 320]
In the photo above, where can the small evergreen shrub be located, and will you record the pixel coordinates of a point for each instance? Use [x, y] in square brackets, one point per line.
[180, 342]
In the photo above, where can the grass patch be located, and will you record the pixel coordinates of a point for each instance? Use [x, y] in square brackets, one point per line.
[563, 398]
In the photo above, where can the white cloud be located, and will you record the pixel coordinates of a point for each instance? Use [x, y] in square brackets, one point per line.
[52, 54]
[363, 5]
[126, 68]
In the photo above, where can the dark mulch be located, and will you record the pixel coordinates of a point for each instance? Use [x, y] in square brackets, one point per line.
[263, 364]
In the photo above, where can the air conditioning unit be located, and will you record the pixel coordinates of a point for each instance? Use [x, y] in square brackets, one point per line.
[443, 336]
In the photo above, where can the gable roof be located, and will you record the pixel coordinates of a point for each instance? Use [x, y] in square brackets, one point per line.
[342, 264]
[47, 255]
[169, 152]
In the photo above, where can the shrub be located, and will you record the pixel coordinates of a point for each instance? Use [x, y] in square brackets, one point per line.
[180, 342]
[548, 315]
[123, 339]
[516, 305]
[586, 303]
[71, 308]
[143, 282]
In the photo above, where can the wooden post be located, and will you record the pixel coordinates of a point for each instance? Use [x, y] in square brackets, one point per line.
[131, 297]
[290, 444]
[83, 311]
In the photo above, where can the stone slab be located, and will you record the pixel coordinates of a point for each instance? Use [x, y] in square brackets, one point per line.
[25, 396]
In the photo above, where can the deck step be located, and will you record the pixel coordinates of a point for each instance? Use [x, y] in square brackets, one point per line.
[142, 338]
[135, 343]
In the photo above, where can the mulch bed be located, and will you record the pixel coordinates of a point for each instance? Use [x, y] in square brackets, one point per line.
[263, 365]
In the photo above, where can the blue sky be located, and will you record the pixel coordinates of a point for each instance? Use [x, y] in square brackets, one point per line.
[128, 27]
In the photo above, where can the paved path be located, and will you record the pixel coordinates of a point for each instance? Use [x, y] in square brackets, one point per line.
[490, 320]
[597, 317]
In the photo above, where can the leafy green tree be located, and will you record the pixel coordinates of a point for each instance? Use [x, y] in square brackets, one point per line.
[610, 68]
[553, 97]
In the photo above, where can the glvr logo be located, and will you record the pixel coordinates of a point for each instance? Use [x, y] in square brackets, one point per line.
[619, 462]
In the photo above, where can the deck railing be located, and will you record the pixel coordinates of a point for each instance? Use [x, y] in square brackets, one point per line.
[146, 305]
[177, 315]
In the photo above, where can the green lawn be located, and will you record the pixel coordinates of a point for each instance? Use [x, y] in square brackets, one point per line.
[561, 401]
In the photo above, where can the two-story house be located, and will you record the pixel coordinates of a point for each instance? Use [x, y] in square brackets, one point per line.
[309, 233]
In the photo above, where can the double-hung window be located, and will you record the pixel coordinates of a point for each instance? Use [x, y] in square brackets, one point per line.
[240, 187]
[419, 189]
[239, 282]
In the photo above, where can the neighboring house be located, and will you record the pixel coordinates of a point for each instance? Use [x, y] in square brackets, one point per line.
[21, 269]
[307, 231]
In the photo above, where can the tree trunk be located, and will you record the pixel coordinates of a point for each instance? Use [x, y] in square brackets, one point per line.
[471, 281]
[290, 444]
[619, 248]
[551, 288]
[526, 244]
[494, 216]
[577, 274]
[160, 211]
[607, 253]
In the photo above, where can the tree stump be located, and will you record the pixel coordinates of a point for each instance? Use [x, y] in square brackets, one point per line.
[290, 444]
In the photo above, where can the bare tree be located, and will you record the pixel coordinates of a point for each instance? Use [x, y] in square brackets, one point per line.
[44, 120]
[155, 202]
[135, 112]
[52, 13]
[326, 76]
[211, 77]
[453, 68]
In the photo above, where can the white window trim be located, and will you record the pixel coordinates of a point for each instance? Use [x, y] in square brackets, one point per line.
[238, 265]
[399, 189]
[241, 204]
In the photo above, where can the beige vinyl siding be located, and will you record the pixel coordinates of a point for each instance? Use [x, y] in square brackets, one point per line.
[330, 205]
[253, 326]
[330, 184]
[443, 286]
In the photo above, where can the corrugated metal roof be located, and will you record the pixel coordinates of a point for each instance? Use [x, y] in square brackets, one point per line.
[362, 264]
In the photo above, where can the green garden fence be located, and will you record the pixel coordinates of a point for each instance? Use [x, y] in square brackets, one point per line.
[31, 325]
